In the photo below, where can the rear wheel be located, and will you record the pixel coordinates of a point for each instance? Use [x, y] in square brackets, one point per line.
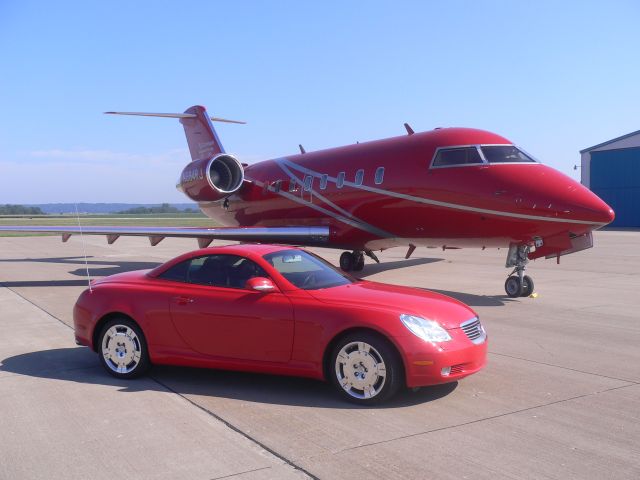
[122, 348]
[347, 261]
[365, 369]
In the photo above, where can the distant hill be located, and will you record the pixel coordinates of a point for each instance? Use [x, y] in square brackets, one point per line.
[59, 208]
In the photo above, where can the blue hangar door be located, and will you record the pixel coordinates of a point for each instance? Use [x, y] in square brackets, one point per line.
[615, 178]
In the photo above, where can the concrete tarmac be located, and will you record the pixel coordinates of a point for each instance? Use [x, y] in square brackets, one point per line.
[559, 398]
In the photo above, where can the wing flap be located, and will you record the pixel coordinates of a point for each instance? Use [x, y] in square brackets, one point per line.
[285, 235]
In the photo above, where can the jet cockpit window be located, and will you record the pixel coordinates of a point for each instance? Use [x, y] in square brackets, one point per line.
[505, 154]
[340, 180]
[457, 156]
[308, 181]
[323, 181]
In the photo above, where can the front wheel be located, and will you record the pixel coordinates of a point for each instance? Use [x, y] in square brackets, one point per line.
[365, 369]
[513, 286]
[122, 348]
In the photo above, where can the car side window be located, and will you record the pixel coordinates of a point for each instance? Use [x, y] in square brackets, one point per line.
[230, 271]
[177, 273]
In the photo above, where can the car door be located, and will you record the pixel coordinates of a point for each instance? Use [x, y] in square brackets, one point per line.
[215, 315]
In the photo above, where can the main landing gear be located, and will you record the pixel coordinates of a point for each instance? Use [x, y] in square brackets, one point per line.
[354, 261]
[518, 285]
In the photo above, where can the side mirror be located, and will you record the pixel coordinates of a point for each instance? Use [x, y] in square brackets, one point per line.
[261, 284]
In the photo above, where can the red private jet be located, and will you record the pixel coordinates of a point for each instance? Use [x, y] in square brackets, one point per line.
[449, 188]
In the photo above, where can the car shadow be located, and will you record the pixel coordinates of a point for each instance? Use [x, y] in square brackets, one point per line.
[80, 364]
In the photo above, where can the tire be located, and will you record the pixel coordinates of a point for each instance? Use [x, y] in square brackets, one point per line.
[347, 261]
[527, 286]
[513, 286]
[365, 369]
[122, 348]
[359, 263]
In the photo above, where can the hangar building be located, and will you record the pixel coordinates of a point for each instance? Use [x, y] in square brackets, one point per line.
[611, 170]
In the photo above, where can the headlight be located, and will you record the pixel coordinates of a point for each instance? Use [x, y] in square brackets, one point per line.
[427, 330]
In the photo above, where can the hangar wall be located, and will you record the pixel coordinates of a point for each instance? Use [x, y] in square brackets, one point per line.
[612, 171]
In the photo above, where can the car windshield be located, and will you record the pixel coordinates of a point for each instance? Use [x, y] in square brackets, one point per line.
[505, 154]
[306, 271]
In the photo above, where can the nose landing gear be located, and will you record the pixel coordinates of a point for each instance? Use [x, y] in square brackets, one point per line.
[518, 285]
[354, 261]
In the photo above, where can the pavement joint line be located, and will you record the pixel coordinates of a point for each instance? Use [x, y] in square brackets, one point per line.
[217, 417]
[228, 424]
[480, 420]
[241, 473]
[2, 284]
[565, 368]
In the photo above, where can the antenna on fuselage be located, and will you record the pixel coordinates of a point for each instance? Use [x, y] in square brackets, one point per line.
[409, 129]
[302, 150]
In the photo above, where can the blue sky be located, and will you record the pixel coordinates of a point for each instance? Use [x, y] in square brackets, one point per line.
[553, 77]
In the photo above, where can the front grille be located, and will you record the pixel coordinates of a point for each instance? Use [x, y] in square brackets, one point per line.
[455, 369]
[473, 330]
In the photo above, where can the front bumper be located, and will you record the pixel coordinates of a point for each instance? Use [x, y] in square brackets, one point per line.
[424, 362]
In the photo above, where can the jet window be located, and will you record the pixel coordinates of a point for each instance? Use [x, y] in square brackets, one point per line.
[359, 177]
[292, 185]
[340, 180]
[379, 175]
[323, 181]
[449, 157]
[308, 181]
[505, 154]
[277, 185]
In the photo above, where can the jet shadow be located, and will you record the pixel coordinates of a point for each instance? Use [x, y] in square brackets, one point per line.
[477, 300]
[97, 268]
[373, 268]
[80, 364]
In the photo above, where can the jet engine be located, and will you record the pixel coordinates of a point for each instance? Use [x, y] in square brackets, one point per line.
[211, 179]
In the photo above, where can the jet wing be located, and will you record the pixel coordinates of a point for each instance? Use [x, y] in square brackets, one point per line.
[285, 235]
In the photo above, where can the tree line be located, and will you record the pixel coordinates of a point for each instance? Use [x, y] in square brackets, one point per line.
[164, 208]
[9, 209]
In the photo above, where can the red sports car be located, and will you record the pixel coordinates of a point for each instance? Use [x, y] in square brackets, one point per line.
[279, 310]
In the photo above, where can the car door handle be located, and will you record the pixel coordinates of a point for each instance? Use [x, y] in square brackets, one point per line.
[183, 300]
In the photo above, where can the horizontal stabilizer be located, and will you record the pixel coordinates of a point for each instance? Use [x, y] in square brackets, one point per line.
[174, 115]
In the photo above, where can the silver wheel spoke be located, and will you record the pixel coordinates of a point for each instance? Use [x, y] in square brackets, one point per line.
[121, 349]
[360, 370]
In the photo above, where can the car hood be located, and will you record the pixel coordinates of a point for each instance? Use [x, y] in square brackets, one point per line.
[135, 276]
[447, 311]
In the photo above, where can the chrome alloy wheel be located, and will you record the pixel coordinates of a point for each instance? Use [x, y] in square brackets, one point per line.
[121, 349]
[360, 370]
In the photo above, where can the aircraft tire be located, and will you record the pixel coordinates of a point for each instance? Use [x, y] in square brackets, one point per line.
[527, 286]
[359, 263]
[513, 286]
[347, 261]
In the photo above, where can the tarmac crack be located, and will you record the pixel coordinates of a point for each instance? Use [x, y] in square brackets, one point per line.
[289, 462]
[241, 473]
[480, 420]
[565, 368]
[228, 424]
[2, 284]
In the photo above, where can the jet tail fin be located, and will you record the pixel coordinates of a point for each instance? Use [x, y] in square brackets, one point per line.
[201, 136]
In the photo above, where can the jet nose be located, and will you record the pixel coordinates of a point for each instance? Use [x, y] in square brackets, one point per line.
[593, 208]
